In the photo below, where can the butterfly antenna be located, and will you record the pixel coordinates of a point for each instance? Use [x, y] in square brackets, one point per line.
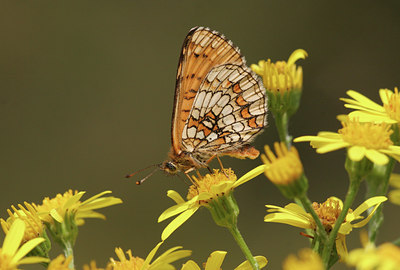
[141, 170]
[144, 179]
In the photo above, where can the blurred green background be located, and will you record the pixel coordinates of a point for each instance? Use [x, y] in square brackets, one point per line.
[86, 96]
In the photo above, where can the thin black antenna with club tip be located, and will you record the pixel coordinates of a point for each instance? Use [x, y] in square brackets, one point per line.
[141, 170]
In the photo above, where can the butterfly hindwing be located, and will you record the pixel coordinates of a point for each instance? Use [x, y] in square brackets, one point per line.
[227, 113]
[202, 50]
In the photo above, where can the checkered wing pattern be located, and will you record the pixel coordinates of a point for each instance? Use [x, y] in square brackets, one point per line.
[202, 50]
[229, 110]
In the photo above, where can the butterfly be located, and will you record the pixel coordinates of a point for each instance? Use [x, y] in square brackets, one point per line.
[220, 104]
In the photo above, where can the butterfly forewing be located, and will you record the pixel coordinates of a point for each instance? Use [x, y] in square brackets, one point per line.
[202, 50]
[228, 111]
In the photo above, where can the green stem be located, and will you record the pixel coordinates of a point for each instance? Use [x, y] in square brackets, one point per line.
[309, 209]
[351, 194]
[69, 251]
[282, 125]
[242, 244]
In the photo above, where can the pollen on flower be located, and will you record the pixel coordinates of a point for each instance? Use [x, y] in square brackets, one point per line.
[307, 260]
[34, 225]
[283, 168]
[130, 263]
[281, 76]
[204, 184]
[328, 212]
[369, 135]
[54, 203]
[393, 106]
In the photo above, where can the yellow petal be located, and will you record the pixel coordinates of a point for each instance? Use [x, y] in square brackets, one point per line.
[371, 117]
[376, 157]
[261, 260]
[364, 100]
[330, 135]
[177, 222]
[314, 138]
[150, 256]
[356, 153]
[71, 201]
[332, 147]
[288, 219]
[341, 247]
[100, 203]
[215, 260]
[26, 248]
[171, 255]
[56, 216]
[96, 196]
[385, 95]
[13, 238]
[175, 196]
[296, 55]
[374, 201]
[89, 214]
[176, 209]
[190, 265]
[250, 175]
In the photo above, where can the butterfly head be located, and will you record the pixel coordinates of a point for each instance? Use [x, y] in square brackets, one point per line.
[170, 167]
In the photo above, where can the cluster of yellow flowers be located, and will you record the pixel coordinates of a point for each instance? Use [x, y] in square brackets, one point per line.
[370, 134]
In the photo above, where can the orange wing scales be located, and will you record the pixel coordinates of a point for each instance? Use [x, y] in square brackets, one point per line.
[202, 50]
[220, 104]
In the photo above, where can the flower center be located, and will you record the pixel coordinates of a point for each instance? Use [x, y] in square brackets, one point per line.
[393, 106]
[205, 184]
[132, 263]
[55, 203]
[328, 212]
[369, 135]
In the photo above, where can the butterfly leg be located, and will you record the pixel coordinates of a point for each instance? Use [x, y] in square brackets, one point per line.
[188, 176]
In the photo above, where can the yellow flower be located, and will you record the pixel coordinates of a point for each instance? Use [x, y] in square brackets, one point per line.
[369, 111]
[394, 195]
[135, 263]
[384, 257]
[34, 225]
[93, 266]
[285, 167]
[60, 263]
[307, 260]
[207, 189]
[216, 259]
[12, 254]
[56, 208]
[361, 140]
[281, 76]
[294, 215]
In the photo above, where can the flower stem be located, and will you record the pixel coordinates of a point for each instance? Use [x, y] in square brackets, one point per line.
[242, 244]
[309, 209]
[69, 251]
[355, 181]
[282, 125]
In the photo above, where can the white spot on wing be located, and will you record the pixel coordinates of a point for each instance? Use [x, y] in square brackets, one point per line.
[228, 120]
[199, 99]
[191, 132]
[214, 99]
[227, 110]
[238, 126]
[224, 100]
[212, 136]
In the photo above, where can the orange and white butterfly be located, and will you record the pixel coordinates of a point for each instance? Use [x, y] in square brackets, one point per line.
[220, 104]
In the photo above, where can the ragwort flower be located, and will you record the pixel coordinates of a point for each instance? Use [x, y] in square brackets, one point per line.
[307, 260]
[394, 195]
[294, 215]
[207, 190]
[216, 259]
[369, 111]
[163, 262]
[12, 254]
[361, 140]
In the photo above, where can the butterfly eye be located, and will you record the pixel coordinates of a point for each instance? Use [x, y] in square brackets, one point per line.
[171, 167]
